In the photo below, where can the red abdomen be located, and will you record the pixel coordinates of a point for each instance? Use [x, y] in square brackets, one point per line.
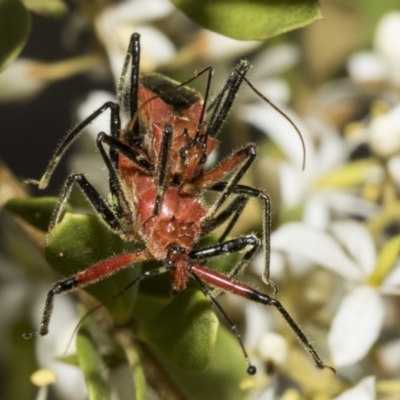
[178, 221]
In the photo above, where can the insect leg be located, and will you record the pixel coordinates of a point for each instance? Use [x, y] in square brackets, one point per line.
[235, 287]
[119, 201]
[227, 96]
[241, 160]
[250, 192]
[251, 369]
[141, 277]
[94, 199]
[134, 53]
[234, 210]
[115, 187]
[92, 194]
[162, 165]
[223, 102]
[72, 136]
[229, 247]
[85, 278]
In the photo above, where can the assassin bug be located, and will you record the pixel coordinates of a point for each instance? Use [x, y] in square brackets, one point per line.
[156, 179]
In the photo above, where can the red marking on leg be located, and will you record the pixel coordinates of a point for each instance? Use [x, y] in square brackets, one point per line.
[222, 281]
[110, 266]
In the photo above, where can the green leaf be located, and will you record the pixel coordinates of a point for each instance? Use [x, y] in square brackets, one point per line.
[184, 331]
[37, 211]
[250, 19]
[53, 8]
[148, 306]
[225, 374]
[386, 260]
[79, 242]
[138, 376]
[15, 24]
[93, 368]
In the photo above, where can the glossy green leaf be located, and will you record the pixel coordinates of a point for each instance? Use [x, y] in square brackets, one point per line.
[93, 368]
[225, 374]
[184, 331]
[53, 8]
[250, 19]
[81, 241]
[37, 211]
[386, 260]
[15, 23]
[148, 306]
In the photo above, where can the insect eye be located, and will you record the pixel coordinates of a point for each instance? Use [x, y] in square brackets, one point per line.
[184, 153]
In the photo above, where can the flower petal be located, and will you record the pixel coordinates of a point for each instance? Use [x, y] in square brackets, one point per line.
[393, 278]
[294, 185]
[278, 128]
[258, 322]
[20, 81]
[220, 47]
[115, 26]
[357, 240]
[139, 11]
[92, 102]
[365, 390]
[331, 151]
[273, 347]
[275, 60]
[387, 30]
[356, 325]
[394, 168]
[275, 89]
[316, 211]
[347, 203]
[366, 67]
[389, 356]
[317, 246]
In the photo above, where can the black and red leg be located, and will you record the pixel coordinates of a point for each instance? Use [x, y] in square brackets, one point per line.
[248, 192]
[111, 214]
[227, 284]
[87, 277]
[213, 181]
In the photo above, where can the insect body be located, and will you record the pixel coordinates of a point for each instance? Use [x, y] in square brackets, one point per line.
[157, 177]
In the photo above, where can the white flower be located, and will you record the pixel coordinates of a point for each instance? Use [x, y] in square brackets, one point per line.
[116, 24]
[386, 43]
[356, 325]
[366, 67]
[383, 133]
[52, 346]
[382, 64]
[364, 390]
[21, 80]
[215, 47]
[348, 251]
[325, 152]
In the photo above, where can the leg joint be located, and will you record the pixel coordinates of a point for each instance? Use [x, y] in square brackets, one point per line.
[65, 286]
